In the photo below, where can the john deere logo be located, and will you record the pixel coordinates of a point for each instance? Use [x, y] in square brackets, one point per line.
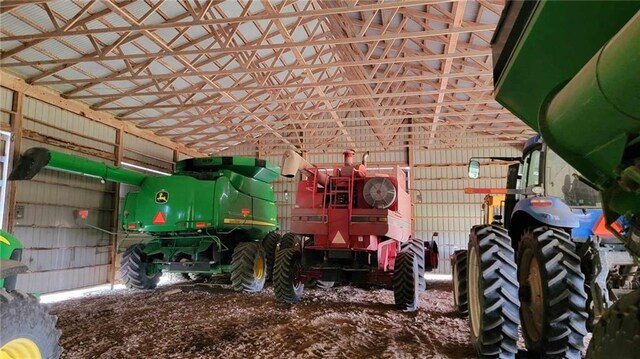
[162, 197]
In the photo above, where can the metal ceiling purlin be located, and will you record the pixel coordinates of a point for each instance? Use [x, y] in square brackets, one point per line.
[266, 75]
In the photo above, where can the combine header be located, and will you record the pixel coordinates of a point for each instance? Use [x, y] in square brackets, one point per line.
[348, 226]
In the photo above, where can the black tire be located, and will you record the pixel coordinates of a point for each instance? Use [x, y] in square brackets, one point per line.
[553, 321]
[270, 244]
[460, 289]
[416, 246]
[617, 333]
[406, 281]
[492, 292]
[137, 271]
[24, 318]
[324, 284]
[287, 287]
[289, 240]
[248, 267]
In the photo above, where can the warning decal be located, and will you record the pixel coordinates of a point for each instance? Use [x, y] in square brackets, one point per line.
[338, 238]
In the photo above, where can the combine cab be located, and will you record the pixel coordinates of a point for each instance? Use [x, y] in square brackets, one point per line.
[212, 215]
[351, 227]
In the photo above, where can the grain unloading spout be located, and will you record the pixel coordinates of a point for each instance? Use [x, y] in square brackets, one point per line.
[35, 159]
[293, 162]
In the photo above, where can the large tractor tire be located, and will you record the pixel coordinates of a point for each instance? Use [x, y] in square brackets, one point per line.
[460, 288]
[617, 333]
[406, 281]
[493, 292]
[27, 330]
[286, 282]
[416, 246]
[248, 267]
[270, 244]
[137, 271]
[289, 240]
[552, 293]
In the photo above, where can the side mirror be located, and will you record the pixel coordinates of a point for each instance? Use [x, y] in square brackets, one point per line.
[474, 169]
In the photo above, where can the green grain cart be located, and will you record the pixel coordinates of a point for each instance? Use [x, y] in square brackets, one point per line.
[212, 215]
[571, 71]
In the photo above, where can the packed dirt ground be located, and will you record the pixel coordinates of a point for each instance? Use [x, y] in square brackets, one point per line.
[208, 320]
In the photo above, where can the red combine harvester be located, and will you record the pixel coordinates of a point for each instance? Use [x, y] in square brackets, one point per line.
[351, 227]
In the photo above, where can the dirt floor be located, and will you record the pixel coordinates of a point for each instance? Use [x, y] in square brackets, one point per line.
[208, 320]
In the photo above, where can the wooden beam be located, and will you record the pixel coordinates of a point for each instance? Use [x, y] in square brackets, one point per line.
[319, 13]
[40, 93]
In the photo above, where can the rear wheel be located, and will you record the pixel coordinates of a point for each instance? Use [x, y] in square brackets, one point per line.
[493, 292]
[460, 295]
[406, 281]
[137, 270]
[289, 240]
[287, 284]
[416, 246]
[270, 243]
[552, 293]
[248, 267]
[28, 330]
[617, 333]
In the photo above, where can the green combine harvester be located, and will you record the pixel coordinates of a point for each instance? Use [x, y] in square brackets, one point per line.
[212, 215]
[27, 330]
[571, 71]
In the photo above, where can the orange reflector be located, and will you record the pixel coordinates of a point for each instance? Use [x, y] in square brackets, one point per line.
[485, 190]
[200, 224]
[83, 213]
[131, 226]
[541, 202]
[601, 230]
[159, 218]
[245, 211]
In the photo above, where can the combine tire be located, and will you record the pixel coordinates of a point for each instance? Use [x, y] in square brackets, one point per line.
[286, 282]
[406, 281]
[270, 243]
[417, 247]
[493, 292]
[552, 294]
[617, 333]
[460, 294]
[289, 240]
[323, 284]
[28, 330]
[248, 267]
[136, 271]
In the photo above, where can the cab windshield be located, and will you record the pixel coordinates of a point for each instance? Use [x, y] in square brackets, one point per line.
[562, 182]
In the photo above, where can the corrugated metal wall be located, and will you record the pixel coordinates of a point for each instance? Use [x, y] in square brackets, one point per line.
[64, 254]
[61, 253]
[440, 175]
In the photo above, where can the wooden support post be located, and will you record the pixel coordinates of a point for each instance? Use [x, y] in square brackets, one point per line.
[412, 176]
[16, 138]
[118, 153]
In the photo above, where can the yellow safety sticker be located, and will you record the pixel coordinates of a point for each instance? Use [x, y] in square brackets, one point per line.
[4, 240]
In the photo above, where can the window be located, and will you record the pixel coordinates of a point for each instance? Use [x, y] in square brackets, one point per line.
[5, 150]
